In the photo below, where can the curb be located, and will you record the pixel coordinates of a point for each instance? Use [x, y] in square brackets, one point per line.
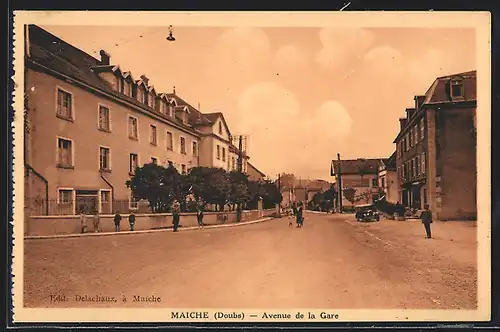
[63, 236]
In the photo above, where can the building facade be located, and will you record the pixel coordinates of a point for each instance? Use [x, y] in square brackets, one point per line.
[89, 124]
[436, 149]
[357, 175]
[388, 179]
[253, 173]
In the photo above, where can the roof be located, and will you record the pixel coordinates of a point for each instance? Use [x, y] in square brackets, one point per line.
[355, 166]
[390, 163]
[255, 169]
[439, 90]
[439, 94]
[52, 52]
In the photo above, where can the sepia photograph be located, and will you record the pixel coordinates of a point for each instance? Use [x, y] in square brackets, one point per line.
[251, 167]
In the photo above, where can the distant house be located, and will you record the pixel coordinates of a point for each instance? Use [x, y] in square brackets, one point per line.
[254, 174]
[388, 178]
[359, 174]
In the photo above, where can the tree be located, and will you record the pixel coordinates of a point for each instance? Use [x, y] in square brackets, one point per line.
[270, 194]
[157, 184]
[210, 184]
[239, 188]
[350, 195]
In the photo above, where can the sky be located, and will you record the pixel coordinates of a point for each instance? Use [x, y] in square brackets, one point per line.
[301, 94]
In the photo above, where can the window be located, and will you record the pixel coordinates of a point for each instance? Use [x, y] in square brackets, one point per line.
[104, 118]
[422, 163]
[218, 152]
[133, 164]
[415, 133]
[425, 196]
[105, 196]
[183, 169]
[126, 88]
[410, 138]
[417, 165]
[145, 96]
[64, 104]
[121, 85]
[65, 196]
[220, 128]
[422, 129]
[457, 89]
[132, 128]
[170, 141]
[154, 161]
[104, 159]
[64, 152]
[151, 101]
[195, 148]
[233, 163]
[223, 154]
[153, 136]
[374, 183]
[183, 145]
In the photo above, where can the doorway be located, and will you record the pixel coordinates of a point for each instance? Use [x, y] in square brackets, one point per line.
[86, 201]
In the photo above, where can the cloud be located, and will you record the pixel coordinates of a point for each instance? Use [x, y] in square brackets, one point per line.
[243, 47]
[341, 44]
[286, 136]
[290, 57]
[385, 60]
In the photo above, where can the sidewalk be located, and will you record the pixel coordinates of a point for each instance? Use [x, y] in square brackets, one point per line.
[455, 240]
[147, 231]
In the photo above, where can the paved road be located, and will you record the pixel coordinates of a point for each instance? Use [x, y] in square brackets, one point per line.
[330, 263]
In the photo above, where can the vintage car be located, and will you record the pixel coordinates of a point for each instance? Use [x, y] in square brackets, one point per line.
[366, 212]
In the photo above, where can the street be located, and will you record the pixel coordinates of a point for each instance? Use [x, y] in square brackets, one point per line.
[332, 262]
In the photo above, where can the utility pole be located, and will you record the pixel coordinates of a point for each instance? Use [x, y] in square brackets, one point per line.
[339, 182]
[240, 169]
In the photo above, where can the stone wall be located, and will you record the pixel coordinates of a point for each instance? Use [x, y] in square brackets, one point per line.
[57, 225]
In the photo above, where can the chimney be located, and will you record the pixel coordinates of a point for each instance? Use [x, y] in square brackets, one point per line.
[402, 123]
[145, 79]
[105, 57]
[409, 113]
[419, 100]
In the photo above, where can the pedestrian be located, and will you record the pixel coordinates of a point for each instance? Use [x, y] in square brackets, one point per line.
[131, 220]
[299, 215]
[199, 215]
[83, 220]
[294, 209]
[117, 219]
[426, 217]
[176, 213]
[97, 221]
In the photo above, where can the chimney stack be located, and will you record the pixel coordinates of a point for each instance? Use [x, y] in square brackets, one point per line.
[419, 100]
[105, 57]
[145, 79]
[402, 123]
[409, 113]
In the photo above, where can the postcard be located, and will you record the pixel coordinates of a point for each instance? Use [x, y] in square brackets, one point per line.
[251, 166]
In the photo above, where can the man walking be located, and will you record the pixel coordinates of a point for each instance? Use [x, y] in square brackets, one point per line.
[426, 217]
[131, 221]
[199, 215]
[117, 219]
[176, 213]
[97, 221]
[83, 220]
[300, 218]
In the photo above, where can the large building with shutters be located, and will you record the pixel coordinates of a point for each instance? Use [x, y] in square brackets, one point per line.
[90, 123]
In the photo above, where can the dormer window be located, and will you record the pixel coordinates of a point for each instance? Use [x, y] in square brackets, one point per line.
[220, 128]
[457, 88]
[121, 84]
